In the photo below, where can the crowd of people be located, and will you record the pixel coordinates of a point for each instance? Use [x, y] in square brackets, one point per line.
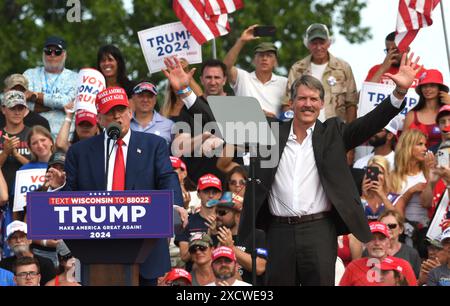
[323, 217]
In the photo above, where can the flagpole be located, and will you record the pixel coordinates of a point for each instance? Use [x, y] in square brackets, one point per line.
[214, 50]
[445, 34]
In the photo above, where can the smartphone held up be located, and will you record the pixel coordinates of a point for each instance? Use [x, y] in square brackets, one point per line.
[264, 31]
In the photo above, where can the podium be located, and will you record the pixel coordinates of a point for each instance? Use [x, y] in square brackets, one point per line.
[112, 262]
[111, 233]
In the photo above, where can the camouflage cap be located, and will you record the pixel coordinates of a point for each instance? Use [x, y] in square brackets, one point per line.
[14, 97]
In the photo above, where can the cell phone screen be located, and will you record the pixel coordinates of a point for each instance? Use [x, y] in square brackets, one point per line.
[261, 31]
[372, 173]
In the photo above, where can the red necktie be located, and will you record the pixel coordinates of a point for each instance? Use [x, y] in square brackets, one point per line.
[119, 168]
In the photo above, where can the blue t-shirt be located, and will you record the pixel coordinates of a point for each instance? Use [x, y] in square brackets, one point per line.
[6, 278]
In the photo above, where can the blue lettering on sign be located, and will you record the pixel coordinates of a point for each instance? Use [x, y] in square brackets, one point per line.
[371, 94]
[30, 188]
[380, 97]
[168, 43]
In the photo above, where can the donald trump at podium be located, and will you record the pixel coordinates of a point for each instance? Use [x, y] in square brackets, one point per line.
[137, 161]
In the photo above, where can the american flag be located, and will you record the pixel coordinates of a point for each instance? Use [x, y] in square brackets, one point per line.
[206, 19]
[412, 15]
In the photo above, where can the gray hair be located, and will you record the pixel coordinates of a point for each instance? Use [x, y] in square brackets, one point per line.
[310, 82]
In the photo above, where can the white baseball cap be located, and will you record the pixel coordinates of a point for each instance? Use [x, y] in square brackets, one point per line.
[16, 226]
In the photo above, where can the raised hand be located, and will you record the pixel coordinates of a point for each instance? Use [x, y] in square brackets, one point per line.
[409, 68]
[174, 72]
[248, 35]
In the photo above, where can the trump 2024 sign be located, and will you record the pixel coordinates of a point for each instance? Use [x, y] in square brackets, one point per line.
[100, 215]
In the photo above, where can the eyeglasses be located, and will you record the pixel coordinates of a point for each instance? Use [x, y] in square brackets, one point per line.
[194, 249]
[31, 274]
[392, 226]
[235, 182]
[221, 213]
[49, 51]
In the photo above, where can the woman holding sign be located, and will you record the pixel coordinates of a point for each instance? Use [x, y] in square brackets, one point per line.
[433, 94]
[42, 146]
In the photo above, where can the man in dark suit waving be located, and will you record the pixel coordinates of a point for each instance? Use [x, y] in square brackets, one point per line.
[138, 161]
[308, 197]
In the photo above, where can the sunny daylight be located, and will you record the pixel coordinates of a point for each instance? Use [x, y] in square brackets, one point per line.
[231, 143]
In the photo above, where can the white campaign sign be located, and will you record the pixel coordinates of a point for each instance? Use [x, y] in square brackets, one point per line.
[440, 221]
[27, 181]
[90, 83]
[370, 96]
[167, 40]
[373, 94]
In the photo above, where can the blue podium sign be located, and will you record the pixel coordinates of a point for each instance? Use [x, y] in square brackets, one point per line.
[100, 215]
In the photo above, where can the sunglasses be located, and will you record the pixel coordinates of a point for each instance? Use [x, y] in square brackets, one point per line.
[65, 257]
[392, 226]
[221, 213]
[49, 51]
[235, 182]
[194, 249]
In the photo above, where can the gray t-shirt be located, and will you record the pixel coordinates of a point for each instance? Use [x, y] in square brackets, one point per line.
[439, 276]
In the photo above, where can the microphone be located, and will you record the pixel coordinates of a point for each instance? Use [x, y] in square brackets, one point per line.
[113, 131]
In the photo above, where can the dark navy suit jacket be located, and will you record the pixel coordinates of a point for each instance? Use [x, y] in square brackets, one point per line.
[148, 167]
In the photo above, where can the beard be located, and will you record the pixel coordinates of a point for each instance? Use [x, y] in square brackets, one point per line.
[224, 274]
[54, 67]
[377, 141]
[20, 249]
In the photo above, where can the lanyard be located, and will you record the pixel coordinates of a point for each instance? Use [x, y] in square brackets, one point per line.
[48, 89]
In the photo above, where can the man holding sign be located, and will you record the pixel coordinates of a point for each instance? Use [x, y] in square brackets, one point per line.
[138, 161]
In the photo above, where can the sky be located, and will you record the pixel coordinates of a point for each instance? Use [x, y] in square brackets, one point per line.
[381, 17]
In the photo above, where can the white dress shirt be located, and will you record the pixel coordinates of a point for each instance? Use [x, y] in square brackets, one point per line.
[112, 158]
[296, 190]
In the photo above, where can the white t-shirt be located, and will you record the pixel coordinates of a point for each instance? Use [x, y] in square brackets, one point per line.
[362, 162]
[235, 284]
[414, 210]
[317, 72]
[270, 95]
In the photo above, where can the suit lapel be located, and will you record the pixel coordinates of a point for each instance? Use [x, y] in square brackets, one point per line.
[133, 160]
[285, 128]
[318, 143]
[96, 161]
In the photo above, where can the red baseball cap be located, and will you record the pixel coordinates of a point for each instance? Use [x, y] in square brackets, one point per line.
[177, 273]
[379, 227]
[84, 115]
[177, 163]
[109, 98]
[223, 251]
[391, 263]
[444, 109]
[209, 180]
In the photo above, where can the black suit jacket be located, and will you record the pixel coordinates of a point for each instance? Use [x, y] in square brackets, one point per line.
[331, 140]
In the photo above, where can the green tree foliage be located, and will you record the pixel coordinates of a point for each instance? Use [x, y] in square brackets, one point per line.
[25, 25]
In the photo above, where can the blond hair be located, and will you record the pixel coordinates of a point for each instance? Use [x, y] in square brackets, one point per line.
[404, 161]
[382, 162]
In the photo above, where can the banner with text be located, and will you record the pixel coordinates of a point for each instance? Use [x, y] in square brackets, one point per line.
[100, 215]
[167, 40]
[372, 94]
[27, 181]
[90, 83]
[441, 219]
